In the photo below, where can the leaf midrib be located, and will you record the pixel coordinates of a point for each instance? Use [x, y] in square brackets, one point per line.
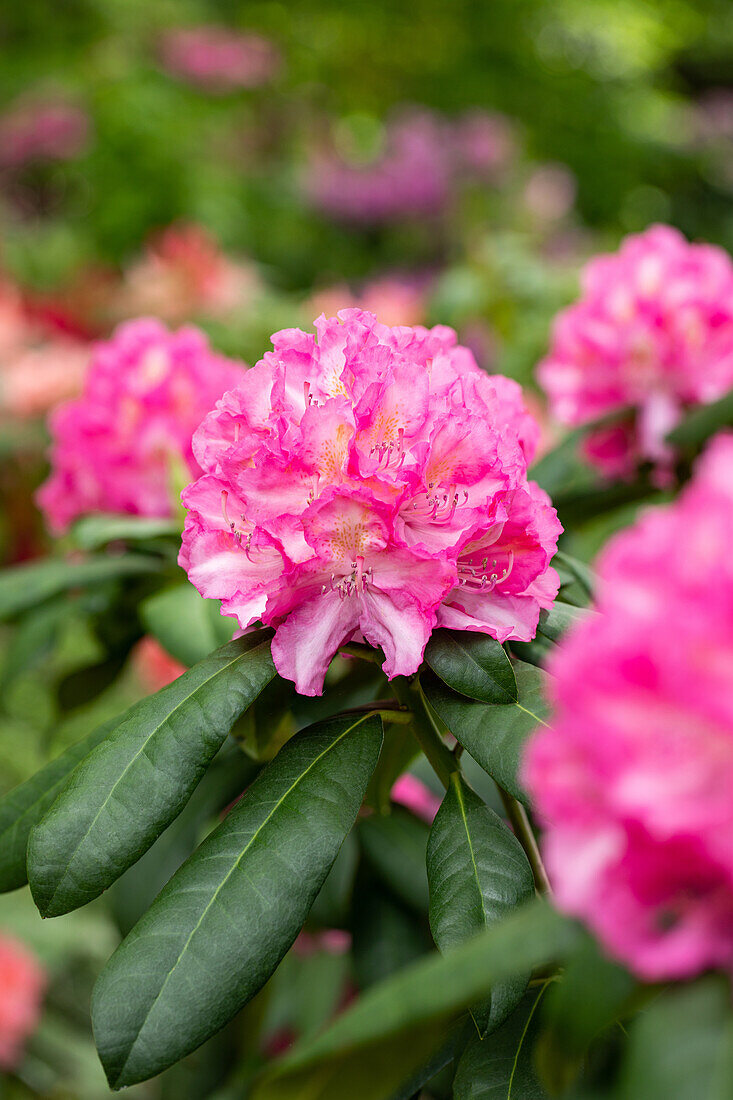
[226, 878]
[138, 754]
[464, 818]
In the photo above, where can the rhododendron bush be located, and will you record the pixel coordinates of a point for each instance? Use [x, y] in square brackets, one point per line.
[387, 743]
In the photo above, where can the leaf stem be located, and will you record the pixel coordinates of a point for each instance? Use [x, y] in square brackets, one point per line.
[441, 759]
[524, 833]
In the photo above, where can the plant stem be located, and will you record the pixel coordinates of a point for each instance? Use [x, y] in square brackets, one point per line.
[441, 758]
[524, 833]
[365, 652]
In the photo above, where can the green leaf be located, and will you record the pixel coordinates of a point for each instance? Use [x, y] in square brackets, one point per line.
[395, 845]
[704, 421]
[24, 586]
[472, 664]
[229, 774]
[24, 806]
[493, 735]
[134, 784]
[222, 924]
[94, 531]
[398, 1020]
[593, 994]
[681, 1047]
[478, 874]
[560, 618]
[585, 576]
[500, 1066]
[387, 934]
[186, 625]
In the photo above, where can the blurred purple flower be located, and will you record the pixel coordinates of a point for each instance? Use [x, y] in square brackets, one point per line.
[412, 177]
[34, 129]
[484, 142]
[218, 59]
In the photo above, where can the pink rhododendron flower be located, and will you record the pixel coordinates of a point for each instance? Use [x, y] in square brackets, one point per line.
[184, 275]
[33, 130]
[219, 59]
[22, 982]
[635, 777]
[369, 482]
[653, 331]
[126, 441]
[410, 792]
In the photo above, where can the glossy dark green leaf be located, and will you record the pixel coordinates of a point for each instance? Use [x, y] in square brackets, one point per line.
[391, 1020]
[493, 735]
[500, 1067]
[681, 1046]
[24, 806]
[24, 586]
[473, 664]
[221, 925]
[139, 779]
[478, 874]
[230, 773]
[395, 845]
[186, 625]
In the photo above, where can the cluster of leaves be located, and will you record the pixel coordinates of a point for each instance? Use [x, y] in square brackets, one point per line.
[469, 983]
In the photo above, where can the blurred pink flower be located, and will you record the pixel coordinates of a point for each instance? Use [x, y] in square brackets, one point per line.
[219, 59]
[484, 143]
[125, 444]
[39, 366]
[395, 300]
[411, 178]
[410, 792]
[334, 941]
[652, 331]
[635, 777]
[22, 982]
[183, 275]
[549, 193]
[155, 667]
[34, 129]
[368, 483]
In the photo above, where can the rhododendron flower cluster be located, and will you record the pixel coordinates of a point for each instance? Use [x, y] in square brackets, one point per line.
[369, 482]
[125, 444]
[635, 776]
[653, 331]
[22, 982]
